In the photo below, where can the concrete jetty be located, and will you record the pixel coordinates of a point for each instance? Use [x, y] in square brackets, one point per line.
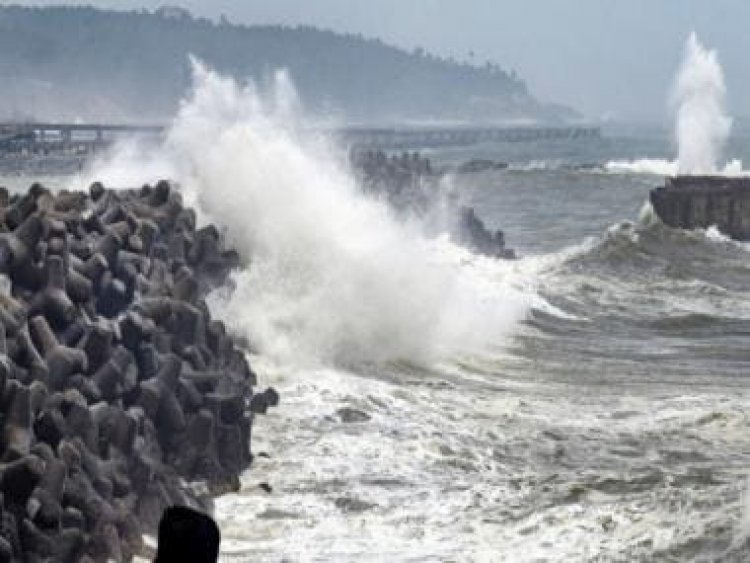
[692, 202]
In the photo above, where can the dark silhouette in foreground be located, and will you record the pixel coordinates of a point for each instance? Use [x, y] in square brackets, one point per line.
[187, 535]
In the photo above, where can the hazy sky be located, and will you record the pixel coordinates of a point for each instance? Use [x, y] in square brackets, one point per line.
[604, 57]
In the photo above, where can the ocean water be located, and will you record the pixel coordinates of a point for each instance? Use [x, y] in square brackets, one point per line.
[586, 402]
[610, 423]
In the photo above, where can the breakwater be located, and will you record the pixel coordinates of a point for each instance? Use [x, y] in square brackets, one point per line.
[692, 202]
[119, 394]
[409, 182]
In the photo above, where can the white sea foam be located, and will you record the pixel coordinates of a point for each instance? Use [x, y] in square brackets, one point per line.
[652, 166]
[664, 167]
[333, 274]
[536, 165]
[742, 529]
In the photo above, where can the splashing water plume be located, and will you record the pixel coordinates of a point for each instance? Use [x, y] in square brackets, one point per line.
[333, 275]
[702, 125]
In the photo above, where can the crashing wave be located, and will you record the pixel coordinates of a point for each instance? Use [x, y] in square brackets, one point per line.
[664, 167]
[335, 275]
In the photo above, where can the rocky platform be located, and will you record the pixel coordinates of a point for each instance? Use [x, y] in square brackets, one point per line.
[119, 395]
[691, 202]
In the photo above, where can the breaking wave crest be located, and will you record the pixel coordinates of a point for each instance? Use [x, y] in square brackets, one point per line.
[332, 275]
[664, 167]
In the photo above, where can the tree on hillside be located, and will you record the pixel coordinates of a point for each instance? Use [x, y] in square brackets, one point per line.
[89, 63]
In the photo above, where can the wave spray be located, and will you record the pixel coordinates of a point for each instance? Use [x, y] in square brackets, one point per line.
[702, 126]
[332, 275]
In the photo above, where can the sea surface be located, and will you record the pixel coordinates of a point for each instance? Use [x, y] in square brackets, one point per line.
[611, 424]
[599, 410]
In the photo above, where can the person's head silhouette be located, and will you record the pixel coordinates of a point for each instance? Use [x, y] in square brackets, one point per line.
[186, 535]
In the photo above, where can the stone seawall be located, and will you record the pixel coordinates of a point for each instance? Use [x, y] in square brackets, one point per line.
[691, 202]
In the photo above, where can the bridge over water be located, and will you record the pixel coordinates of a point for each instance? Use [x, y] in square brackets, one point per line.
[43, 137]
[84, 137]
[434, 137]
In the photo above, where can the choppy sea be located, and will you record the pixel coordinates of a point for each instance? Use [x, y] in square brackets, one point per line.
[589, 401]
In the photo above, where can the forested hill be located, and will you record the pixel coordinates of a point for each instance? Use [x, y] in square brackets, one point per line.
[85, 63]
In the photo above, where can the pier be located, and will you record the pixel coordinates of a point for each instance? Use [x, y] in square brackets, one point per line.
[82, 138]
[436, 137]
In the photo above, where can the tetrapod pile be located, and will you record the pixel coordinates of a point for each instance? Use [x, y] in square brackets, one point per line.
[118, 392]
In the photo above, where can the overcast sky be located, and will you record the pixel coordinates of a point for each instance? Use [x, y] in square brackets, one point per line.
[604, 57]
